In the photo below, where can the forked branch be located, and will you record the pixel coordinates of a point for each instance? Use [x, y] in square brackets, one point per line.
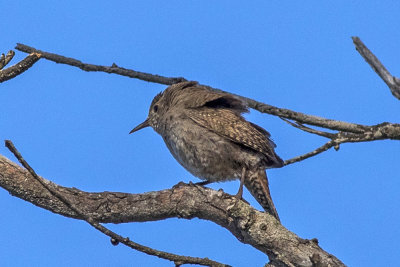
[258, 229]
[17, 69]
[177, 259]
[377, 132]
[5, 59]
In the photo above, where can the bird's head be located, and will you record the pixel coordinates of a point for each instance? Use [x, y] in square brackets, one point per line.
[161, 103]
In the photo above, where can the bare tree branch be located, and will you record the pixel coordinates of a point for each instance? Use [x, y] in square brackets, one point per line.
[258, 229]
[18, 68]
[264, 108]
[391, 81]
[177, 259]
[309, 130]
[317, 151]
[378, 132]
[5, 59]
[111, 69]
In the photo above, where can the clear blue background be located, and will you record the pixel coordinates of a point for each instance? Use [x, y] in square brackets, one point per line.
[73, 126]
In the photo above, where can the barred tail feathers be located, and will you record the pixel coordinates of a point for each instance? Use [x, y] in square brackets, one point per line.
[257, 183]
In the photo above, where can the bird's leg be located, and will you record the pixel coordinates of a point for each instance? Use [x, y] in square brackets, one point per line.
[240, 191]
[206, 182]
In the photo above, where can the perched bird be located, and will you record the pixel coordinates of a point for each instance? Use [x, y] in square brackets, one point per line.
[206, 133]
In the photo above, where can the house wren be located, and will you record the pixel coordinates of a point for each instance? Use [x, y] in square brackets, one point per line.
[206, 133]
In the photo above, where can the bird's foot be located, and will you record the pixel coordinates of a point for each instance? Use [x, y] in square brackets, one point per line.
[179, 184]
[239, 194]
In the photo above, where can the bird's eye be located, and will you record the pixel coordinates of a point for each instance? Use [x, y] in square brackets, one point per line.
[155, 108]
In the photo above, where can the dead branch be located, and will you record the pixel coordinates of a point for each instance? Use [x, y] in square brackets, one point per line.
[17, 69]
[310, 154]
[258, 229]
[108, 69]
[5, 59]
[115, 238]
[392, 82]
[261, 107]
[377, 132]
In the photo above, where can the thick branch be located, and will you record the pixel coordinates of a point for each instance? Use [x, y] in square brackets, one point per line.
[115, 238]
[391, 81]
[19, 68]
[250, 226]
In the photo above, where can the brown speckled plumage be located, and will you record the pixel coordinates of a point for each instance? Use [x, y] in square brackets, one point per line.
[206, 133]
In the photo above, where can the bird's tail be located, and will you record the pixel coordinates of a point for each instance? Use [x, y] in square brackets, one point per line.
[257, 183]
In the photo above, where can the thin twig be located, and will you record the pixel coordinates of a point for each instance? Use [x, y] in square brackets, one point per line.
[19, 68]
[4, 59]
[264, 108]
[177, 259]
[377, 132]
[320, 149]
[377, 66]
[309, 130]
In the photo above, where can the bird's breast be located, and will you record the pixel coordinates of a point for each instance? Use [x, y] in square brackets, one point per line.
[204, 153]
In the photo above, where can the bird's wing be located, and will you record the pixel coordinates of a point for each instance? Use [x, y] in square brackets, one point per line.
[230, 125]
[193, 95]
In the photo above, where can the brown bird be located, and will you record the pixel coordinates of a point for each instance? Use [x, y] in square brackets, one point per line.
[206, 133]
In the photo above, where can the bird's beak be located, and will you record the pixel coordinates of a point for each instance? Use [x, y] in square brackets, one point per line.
[140, 126]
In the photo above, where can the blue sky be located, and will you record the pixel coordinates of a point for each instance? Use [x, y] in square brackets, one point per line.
[73, 126]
